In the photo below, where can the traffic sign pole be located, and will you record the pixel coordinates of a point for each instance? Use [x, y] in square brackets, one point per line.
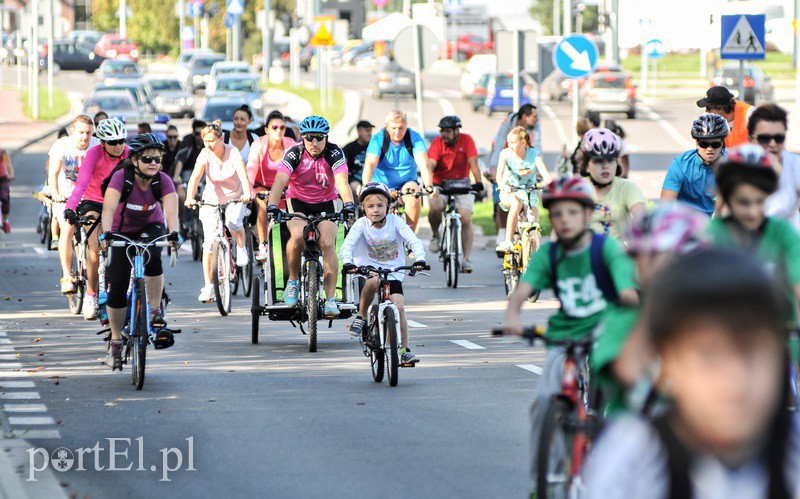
[515, 51]
[418, 74]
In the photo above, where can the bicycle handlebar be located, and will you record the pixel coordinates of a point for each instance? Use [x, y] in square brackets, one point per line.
[331, 217]
[537, 333]
[367, 270]
[160, 242]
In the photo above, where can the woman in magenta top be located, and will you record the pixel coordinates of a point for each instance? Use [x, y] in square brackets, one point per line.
[87, 196]
[226, 183]
[265, 158]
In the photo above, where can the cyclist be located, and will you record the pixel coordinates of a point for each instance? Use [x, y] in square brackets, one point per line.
[64, 163]
[87, 196]
[618, 199]
[719, 100]
[226, 183]
[393, 157]
[6, 176]
[624, 155]
[266, 155]
[241, 137]
[520, 165]
[378, 239]
[715, 321]
[356, 153]
[138, 216]
[98, 117]
[690, 177]
[316, 173]
[453, 156]
[767, 127]
[584, 288]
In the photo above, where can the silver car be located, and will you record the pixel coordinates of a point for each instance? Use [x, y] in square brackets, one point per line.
[115, 103]
[609, 92]
[171, 97]
[222, 107]
[246, 84]
[392, 79]
[197, 72]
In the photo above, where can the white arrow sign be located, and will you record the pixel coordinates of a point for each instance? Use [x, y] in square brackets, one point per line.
[580, 60]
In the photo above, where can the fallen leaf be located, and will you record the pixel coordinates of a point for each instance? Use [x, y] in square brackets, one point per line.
[110, 404]
[186, 362]
[420, 345]
[7, 298]
[37, 339]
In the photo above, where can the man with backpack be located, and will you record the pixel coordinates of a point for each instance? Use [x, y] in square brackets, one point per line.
[396, 156]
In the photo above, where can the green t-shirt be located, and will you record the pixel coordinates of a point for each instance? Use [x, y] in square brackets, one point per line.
[778, 249]
[610, 338]
[582, 302]
[612, 212]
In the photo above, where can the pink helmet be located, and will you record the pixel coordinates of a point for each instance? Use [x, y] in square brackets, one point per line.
[601, 143]
[571, 188]
[670, 227]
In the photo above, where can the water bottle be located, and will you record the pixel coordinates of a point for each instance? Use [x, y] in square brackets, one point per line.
[102, 314]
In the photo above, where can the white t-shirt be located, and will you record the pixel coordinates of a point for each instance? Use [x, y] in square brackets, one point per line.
[381, 248]
[66, 150]
[785, 202]
[244, 151]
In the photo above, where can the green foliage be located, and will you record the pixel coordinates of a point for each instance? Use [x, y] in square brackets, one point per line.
[60, 104]
[542, 11]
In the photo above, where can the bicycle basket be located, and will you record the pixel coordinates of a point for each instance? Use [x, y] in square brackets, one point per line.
[456, 186]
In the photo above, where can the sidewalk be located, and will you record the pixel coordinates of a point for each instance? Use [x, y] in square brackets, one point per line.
[18, 132]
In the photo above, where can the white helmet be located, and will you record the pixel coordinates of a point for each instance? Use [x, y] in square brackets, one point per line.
[111, 129]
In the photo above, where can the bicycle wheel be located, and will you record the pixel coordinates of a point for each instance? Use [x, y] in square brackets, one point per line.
[139, 335]
[511, 278]
[530, 247]
[255, 310]
[454, 267]
[247, 270]
[376, 355]
[312, 302]
[236, 271]
[390, 342]
[75, 299]
[221, 276]
[43, 228]
[554, 465]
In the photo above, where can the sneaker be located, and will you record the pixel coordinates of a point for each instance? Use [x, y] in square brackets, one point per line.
[291, 292]
[156, 318]
[435, 245]
[90, 307]
[501, 236]
[407, 357]
[357, 327]
[206, 293]
[54, 244]
[262, 252]
[67, 285]
[504, 247]
[114, 359]
[331, 309]
[6, 226]
[242, 258]
[466, 267]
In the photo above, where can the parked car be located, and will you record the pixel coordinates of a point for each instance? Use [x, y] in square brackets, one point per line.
[349, 56]
[116, 103]
[71, 56]
[222, 107]
[139, 89]
[556, 86]
[116, 46]
[118, 69]
[197, 72]
[609, 92]
[479, 92]
[171, 97]
[280, 55]
[467, 46]
[477, 66]
[500, 92]
[393, 79]
[246, 84]
[186, 55]
[84, 36]
[758, 86]
[225, 67]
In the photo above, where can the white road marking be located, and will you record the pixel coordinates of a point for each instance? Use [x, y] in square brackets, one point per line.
[673, 132]
[447, 107]
[20, 395]
[8, 356]
[562, 133]
[468, 345]
[5, 341]
[17, 384]
[31, 420]
[41, 252]
[186, 250]
[25, 408]
[414, 323]
[459, 286]
[12, 374]
[3, 334]
[41, 434]
[532, 368]
[10, 365]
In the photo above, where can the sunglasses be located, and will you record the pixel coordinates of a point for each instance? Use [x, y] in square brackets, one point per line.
[151, 159]
[702, 144]
[765, 139]
[214, 126]
[172, 137]
[117, 142]
[278, 127]
[314, 137]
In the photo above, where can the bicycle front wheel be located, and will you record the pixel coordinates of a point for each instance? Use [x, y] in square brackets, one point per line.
[556, 449]
[221, 276]
[454, 265]
[139, 335]
[247, 270]
[255, 310]
[312, 302]
[390, 343]
[376, 356]
[75, 299]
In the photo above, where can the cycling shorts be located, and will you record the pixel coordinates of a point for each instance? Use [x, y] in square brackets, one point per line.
[118, 273]
[87, 206]
[294, 205]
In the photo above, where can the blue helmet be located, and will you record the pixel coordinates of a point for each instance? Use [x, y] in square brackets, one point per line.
[145, 141]
[314, 124]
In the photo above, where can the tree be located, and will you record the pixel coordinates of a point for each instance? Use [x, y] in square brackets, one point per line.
[542, 11]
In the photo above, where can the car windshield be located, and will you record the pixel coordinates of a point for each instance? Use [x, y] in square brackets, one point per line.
[205, 62]
[610, 82]
[118, 41]
[159, 85]
[120, 68]
[222, 112]
[236, 85]
[110, 102]
[117, 88]
[732, 73]
[233, 69]
[504, 81]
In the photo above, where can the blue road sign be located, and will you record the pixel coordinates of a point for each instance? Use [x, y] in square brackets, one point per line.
[235, 7]
[229, 20]
[196, 9]
[575, 56]
[655, 49]
[743, 37]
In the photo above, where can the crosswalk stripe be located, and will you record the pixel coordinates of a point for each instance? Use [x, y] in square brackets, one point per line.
[24, 408]
[468, 345]
[31, 420]
[532, 368]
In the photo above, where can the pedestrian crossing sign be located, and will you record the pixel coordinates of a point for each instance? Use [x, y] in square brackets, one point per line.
[743, 37]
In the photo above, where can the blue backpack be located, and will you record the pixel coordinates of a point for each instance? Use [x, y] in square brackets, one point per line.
[599, 269]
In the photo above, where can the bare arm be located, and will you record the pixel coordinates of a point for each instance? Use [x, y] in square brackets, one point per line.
[281, 179]
[475, 168]
[194, 180]
[343, 186]
[546, 178]
[53, 167]
[668, 195]
[110, 203]
[638, 210]
[421, 158]
[170, 203]
[370, 162]
[241, 172]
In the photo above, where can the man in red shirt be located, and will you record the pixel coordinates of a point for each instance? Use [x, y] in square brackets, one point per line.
[453, 156]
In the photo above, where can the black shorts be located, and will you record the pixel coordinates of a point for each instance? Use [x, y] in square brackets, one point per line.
[118, 273]
[87, 206]
[294, 205]
[395, 287]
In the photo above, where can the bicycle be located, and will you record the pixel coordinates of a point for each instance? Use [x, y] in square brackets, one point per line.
[193, 230]
[43, 224]
[225, 275]
[137, 331]
[383, 325]
[451, 247]
[526, 241]
[80, 243]
[310, 302]
[571, 421]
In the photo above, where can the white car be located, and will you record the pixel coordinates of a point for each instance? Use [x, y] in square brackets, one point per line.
[478, 65]
[223, 68]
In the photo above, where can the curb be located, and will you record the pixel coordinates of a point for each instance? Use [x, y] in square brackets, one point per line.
[75, 109]
[14, 473]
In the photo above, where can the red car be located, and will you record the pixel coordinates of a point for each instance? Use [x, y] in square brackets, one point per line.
[468, 45]
[116, 47]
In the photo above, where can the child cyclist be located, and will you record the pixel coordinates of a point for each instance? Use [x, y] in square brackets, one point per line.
[715, 321]
[378, 239]
[579, 266]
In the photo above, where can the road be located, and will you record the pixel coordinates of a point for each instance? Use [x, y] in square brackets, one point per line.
[272, 419]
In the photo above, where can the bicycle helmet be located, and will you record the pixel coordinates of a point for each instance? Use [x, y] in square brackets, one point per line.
[710, 126]
[669, 227]
[601, 143]
[314, 124]
[450, 122]
[569, 188]
[111, 129]
[374, 188]
[145, 141]
[747, 163]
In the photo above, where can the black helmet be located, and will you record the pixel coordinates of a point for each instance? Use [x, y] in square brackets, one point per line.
[450, 122]
[710, 126]
[145, 141]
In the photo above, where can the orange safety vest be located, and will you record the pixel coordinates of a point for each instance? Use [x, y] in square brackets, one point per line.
[738, 135]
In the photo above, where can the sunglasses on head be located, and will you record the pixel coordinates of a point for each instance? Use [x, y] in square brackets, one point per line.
[278, 127]
[115, 142]
[314, 137]
[215, 127]
[765, 138]
[151, 159]
[705, 145]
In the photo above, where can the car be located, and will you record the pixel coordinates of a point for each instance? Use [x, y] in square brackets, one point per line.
[556, 86]
[73, 56]
[225, 67]
[610, 92]
[118, 69]
[116, 46]
[84, 36]
[479, 92]
[349, 56]
[758, 86]
[500, 92]
[116, 103]
[392, 79]
[197, 72]
[186, 55]
[171, 97]
[246, 84]
[477, 66]
[467, 46]
[222, 107]
[139, 89]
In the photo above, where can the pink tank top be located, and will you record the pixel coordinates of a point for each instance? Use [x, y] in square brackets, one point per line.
[223, 183]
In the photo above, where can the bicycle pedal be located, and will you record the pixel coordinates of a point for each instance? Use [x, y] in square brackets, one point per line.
[409, 364]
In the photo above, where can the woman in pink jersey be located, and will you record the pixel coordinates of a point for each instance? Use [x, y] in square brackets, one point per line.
[6, 176]
[87, 196]
[226, 182]
[265, 158]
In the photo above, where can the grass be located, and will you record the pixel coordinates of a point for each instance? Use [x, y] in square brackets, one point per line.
[776, 65]
[312, 95]
[60, 107]
[482, 216]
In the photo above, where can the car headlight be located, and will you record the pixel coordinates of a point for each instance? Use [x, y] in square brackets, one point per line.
[257, 104]
[159, 101]
[197, 79]
[182, 101]
[134, 53]
[189, 101]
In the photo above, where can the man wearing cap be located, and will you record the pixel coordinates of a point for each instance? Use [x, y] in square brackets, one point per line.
[355, 152]
[719, 100]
